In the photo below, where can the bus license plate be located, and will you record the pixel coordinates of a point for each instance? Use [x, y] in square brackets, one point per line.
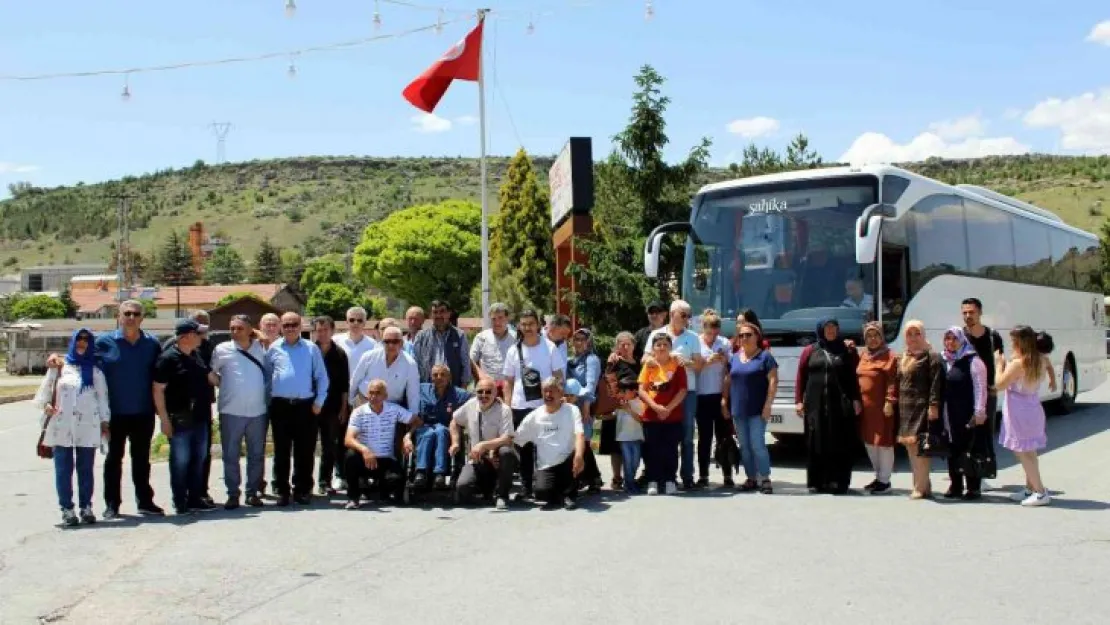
[776, 418]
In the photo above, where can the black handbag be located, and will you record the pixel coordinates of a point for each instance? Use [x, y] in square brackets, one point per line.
[530, 381]
[978, 462]
[183, 418]
[933, 444]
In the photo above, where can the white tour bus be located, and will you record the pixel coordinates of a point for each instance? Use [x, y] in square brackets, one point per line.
[879, 242]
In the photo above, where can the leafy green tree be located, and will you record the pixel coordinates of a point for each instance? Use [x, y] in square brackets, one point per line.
[292, 266]
[322, 271]
[7, 302]
[424, 252]
[38, 307]
[267, 263]
[66, 298]
[236, 295]
[175, 261]
[150, 308]
[225, 266]
[635, 190]
[799, 156]
[332, 299]
[522, 234]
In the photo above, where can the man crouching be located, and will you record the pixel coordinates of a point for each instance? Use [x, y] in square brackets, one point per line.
[492, 459]
[556, 430]
[371, 445]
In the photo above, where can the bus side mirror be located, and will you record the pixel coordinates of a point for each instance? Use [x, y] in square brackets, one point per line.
[868, 227]
[651, 255]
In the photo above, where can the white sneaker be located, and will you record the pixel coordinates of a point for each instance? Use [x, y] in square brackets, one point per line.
[501, 504]
[653, 488]
[339, 484]
[670, 488]
[1021, 495]
[1037, 499]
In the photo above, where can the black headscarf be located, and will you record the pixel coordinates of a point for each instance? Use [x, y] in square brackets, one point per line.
[835, 346]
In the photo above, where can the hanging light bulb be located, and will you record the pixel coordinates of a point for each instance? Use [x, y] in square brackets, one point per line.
[439, 22]
[290, 8]
[377, 16]
[125, 95]
[649, 10]
[531, 27]
[292, 71]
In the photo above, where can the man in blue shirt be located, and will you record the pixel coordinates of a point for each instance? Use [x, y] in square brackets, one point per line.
[438, 401]
[299, 386]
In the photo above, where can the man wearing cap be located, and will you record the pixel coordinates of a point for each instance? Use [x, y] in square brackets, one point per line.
[204, 352]
[181, 393]
[657, 317]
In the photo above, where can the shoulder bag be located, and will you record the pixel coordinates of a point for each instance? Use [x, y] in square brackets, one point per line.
[45, 451]
[977, 462]
[530, 380]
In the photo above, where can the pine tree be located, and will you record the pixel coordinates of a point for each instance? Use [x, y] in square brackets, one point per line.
[522, 235]
[267, 263]
[66, 298]
[175, 262]
[225, 266]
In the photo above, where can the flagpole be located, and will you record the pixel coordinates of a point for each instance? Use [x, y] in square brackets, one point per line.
[482, 169]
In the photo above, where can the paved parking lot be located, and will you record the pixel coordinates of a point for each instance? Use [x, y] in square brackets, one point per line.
[713, 557]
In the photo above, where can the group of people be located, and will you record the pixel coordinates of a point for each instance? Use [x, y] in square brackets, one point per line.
[425, 408]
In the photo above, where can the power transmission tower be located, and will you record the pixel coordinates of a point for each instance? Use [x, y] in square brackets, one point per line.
[123, 245]
[220, 129]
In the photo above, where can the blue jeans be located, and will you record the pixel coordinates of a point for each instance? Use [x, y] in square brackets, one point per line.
[630, 458]
[754, 456]
[689, 417]
[188, 447]
[63, 475]
[433, 441]
[233, 429]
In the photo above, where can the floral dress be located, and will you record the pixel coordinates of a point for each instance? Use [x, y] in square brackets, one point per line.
[80, 411]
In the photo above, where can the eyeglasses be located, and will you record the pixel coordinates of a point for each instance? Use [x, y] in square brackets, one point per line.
[290, 326]
[391, 341]
[132, 313]
[482, 393]
[356, 321]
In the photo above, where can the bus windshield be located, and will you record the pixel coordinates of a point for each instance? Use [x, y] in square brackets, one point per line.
[786, 252]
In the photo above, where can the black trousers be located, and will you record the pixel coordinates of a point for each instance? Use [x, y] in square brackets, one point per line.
[992, 419]
[483, 477]
[387, 475]
[978, 439]
[660, 451]
[332, 448]
[710, 422]
[207, 464]
[554, 484]
[527, 453]
[138, 430]
[294, 435]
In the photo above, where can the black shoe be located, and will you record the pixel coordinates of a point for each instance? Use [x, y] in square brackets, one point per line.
[148, 509]
[111, 512]
[524, 496]
[208, 500]
[254, 501]
[421, 480]
[880, 488]
[728, 483]
[325, 490]
[283, 501]
[232, 503]
[702, 483]
[972, 495]
[953, 493]
[303, 500]
[687, 484]
[440, 482]
[181, 510]
[201, 505]
[870, 487]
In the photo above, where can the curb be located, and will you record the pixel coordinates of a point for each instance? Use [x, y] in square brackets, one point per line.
[14, 398]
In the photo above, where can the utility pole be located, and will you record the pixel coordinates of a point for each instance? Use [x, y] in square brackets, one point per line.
[220, 130]
[123, 245]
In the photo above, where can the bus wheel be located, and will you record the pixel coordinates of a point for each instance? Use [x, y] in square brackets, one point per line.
[1068, 389]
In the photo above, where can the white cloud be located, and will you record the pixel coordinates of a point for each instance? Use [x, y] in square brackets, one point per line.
[1012, 114]
[1083, 121]
[430, 123]
[955, 129]
[1100, 33]
[16, 168]
[874, 147]
[466, 120]
[754, 127]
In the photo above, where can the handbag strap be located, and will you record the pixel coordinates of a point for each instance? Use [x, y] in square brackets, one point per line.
[252, 359]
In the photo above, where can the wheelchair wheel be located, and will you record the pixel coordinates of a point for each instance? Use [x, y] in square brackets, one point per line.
[406, 495]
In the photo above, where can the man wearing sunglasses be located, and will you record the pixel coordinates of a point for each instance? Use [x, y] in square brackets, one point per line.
[299, 386]
[355, 341]
[491, 459]
[686, 349]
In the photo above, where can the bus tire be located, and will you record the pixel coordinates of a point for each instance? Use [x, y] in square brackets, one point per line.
[1069, 384]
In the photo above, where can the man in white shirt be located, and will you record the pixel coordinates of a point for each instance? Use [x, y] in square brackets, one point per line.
[239, 370]
[555, 428]
[398, 369]
[491, 459]
[355, 342]
[857, 298]
[527, 363]
[558, 331]
[488, 351]
[686, 348]
[371, 441]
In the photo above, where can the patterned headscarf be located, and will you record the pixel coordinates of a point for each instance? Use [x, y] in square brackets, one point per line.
[963, 350]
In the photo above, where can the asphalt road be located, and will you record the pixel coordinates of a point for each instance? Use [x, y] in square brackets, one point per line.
[713, 557]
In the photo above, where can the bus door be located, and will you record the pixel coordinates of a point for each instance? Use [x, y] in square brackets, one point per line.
[893, 286]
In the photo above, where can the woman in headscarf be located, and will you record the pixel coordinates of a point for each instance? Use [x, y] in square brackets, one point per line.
[920, 392]
[74, 402]
[878, 384]
[828, 399]
[965, 411]
[585, 368]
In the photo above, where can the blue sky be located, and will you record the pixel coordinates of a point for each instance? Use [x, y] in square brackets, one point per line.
[865, 79]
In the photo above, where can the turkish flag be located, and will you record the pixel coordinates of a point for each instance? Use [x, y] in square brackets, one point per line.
[461, 62]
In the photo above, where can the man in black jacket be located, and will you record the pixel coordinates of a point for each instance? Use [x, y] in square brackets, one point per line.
[204, 352]
[985, 341]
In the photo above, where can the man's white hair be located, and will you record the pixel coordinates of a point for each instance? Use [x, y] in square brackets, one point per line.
[680, 306]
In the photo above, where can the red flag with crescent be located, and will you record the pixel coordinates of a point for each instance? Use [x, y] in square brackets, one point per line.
[461, 62]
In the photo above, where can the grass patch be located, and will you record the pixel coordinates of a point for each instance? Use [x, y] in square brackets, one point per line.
[14, 391]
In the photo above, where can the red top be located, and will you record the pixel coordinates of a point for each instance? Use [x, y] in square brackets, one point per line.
[663, 384]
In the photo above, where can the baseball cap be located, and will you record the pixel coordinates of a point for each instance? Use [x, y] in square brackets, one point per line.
[572, 387]
[656, 306]
[188, 326]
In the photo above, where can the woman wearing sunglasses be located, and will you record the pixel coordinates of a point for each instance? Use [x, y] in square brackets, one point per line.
[753, 380]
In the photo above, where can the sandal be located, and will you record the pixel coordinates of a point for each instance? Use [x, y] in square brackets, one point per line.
[765, 487]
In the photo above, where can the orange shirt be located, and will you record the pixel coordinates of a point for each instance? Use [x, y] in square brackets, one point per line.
[663, 383]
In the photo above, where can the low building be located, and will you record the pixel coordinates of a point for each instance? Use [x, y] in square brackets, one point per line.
[173, 302]
[9, 284]
[55, 277]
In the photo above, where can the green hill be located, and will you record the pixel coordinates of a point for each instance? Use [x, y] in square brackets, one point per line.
[321, 204]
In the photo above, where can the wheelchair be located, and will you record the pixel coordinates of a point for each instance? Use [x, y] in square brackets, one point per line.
[411, 492]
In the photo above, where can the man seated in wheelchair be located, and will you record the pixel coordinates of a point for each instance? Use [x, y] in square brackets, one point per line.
[438, 402]
[371, 445]
[491, 459]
